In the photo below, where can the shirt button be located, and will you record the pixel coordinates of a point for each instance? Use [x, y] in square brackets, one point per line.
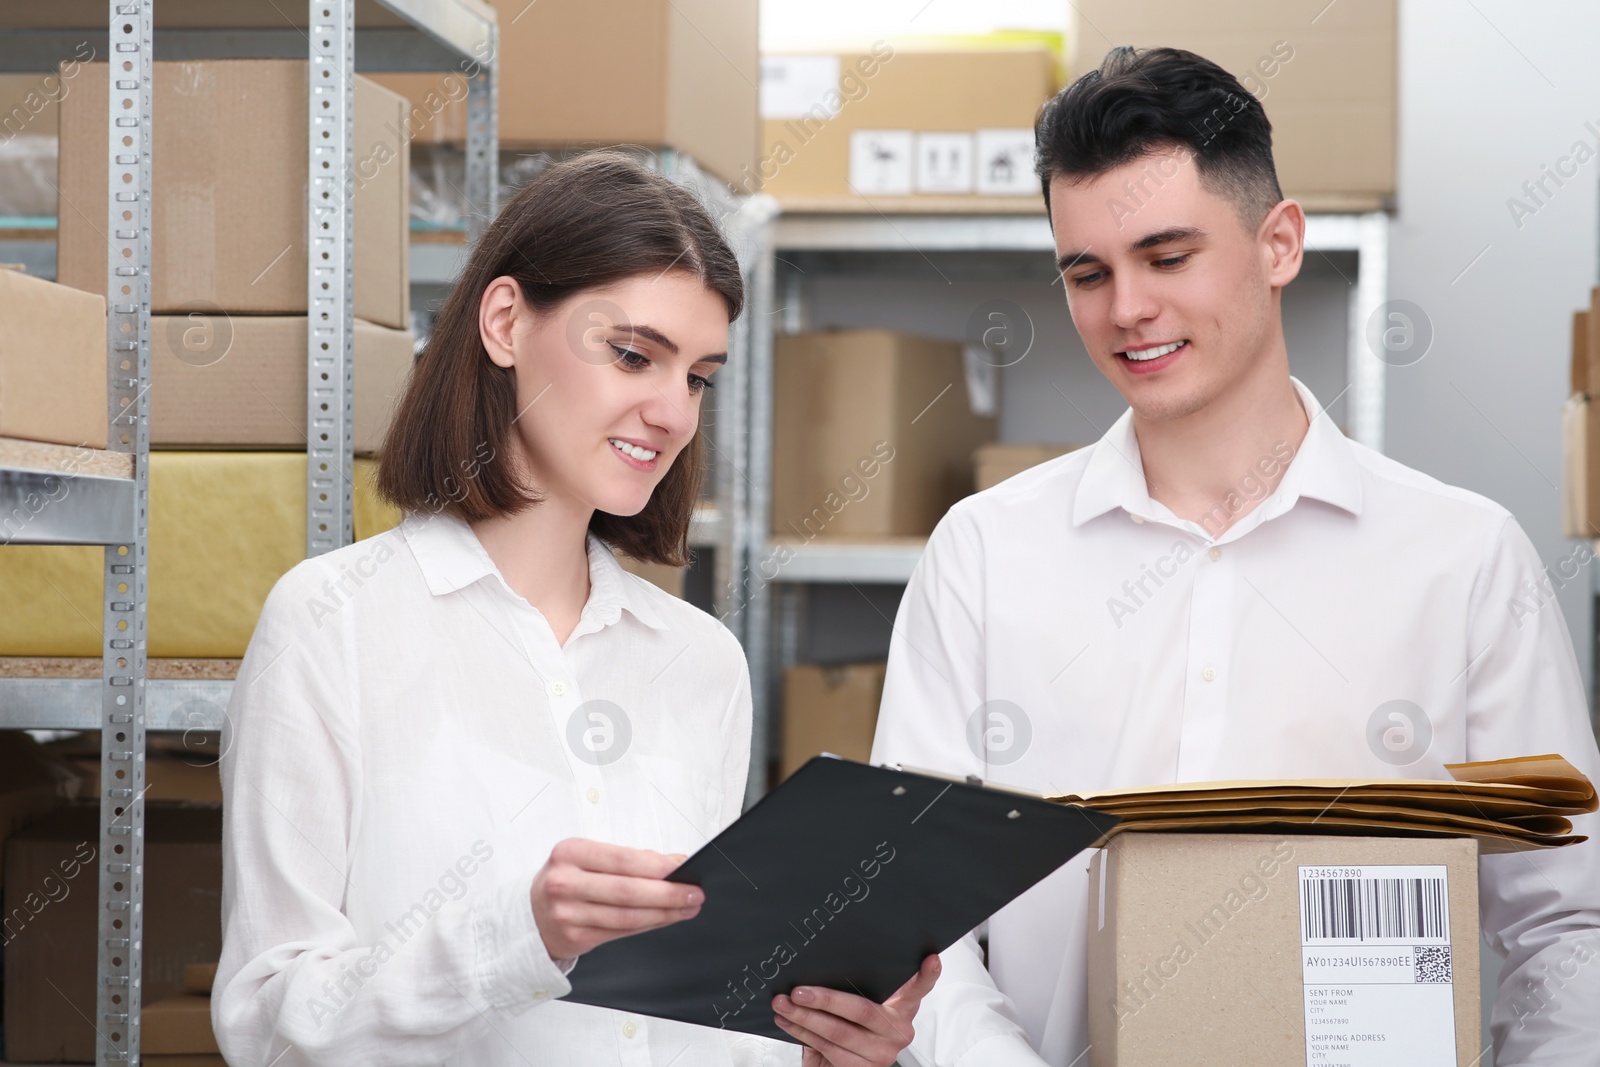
[629, 1029]
[558, 689]
[593, 794]
[1209, 674]
[1138, 518]
[1215, 554]
[542, 995]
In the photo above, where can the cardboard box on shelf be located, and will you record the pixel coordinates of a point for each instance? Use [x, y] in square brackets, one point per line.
[690, 83]
[1578, 503]
[177, 1025]
[829, 709]
[224, 526]
[894, 126]
[670, 579]
[52, 361]
[1237, 949]
[199, 977]
[33, 783]
[873, 434]
[239, 381]
[993, 464]
[1327, 77]
[50, 952]
[1580, 351]
[229, 211]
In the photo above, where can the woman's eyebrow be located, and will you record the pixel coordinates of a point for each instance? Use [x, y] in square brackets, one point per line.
[650, 333]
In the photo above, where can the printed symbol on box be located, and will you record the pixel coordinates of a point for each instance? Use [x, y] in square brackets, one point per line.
[598, 732]
[1399, 732]
[800, 87]
[999, 732]
[1005, 163]
[880, 162]
[199, 333]
[944, 162]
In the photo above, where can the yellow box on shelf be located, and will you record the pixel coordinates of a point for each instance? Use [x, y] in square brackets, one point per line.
[224, 526]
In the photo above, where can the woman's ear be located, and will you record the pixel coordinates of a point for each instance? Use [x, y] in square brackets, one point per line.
[497, 319]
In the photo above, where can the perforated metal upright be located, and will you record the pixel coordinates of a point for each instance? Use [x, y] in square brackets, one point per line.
[330, 291]
[122, 727]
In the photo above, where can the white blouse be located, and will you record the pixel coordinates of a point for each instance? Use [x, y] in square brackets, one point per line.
[405, 743]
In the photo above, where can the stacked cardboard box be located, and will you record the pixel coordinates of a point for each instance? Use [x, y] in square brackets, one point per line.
[829, 709]
[873, 434]
[228, 348]
[1580, 429]
[50, 904]
[993, 464]
[888, 126]
[1326, 74]
[677, 74]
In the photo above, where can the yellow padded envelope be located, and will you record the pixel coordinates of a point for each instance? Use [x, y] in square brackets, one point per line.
[224, 526]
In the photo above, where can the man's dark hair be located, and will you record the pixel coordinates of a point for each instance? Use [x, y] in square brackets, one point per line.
[1161, 98]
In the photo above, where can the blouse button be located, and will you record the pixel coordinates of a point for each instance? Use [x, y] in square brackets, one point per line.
[629, 1029]
[592, 795]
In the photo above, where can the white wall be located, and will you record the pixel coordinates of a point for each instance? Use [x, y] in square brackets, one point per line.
[1491, 92]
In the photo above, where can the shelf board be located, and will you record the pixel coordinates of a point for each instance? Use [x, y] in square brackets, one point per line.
[886, 560]
[391, 34]
[74, 703]
[64, 494]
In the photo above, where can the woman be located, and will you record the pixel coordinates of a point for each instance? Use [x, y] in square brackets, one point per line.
[467, 751]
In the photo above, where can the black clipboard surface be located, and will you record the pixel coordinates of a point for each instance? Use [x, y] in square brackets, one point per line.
[845, 876]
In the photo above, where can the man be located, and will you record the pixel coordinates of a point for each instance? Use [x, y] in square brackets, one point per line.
[1223, 586]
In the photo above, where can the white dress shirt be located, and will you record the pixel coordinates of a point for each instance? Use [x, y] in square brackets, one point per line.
[1261, 653]
[405, 743]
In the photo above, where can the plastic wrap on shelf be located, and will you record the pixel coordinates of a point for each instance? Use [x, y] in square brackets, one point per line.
[28, 176]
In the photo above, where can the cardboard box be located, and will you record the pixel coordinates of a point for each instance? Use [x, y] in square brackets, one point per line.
[52, 879]
[178, 1025]
[1326, 75]
[33, 783]
[894, 126]
[661, 73]
[993, 464]
[229, 213]
[52, 362]
[1216, 948]
[224, 526]
[872, 434]
[662, 577]
[199, 977]
[829, 709]
[1580, 352]
[239, 381]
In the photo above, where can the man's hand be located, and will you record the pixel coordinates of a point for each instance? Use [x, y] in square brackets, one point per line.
[845, 1030]
[590, 892]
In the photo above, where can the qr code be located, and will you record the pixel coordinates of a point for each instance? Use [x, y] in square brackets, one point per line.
[1433, 964]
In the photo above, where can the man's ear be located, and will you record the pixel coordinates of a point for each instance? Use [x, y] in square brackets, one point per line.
[1282, 237]
[497, 319]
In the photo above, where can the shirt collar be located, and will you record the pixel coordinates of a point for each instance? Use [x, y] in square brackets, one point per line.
[1325, 468]
[451, 557]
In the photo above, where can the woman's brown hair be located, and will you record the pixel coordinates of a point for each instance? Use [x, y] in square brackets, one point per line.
[583, 223]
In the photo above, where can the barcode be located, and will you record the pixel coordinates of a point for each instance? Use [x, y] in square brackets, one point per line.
[1361, 909]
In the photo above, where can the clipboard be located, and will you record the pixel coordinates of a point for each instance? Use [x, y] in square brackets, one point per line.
[845, 876]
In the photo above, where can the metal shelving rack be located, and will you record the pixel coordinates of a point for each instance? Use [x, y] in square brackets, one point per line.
[771, 636]
[113, 511]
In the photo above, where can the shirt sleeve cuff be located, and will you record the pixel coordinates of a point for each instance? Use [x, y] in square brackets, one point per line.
[1001, 1050]
[515, 970]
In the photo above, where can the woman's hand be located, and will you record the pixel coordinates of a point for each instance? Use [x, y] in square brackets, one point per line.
[590, 892]
[844, 1030]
